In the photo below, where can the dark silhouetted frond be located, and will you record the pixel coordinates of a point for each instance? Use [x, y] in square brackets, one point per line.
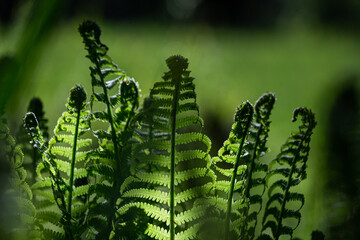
[287, 170]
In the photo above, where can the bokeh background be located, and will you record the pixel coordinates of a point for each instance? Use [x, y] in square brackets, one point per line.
[305, 51]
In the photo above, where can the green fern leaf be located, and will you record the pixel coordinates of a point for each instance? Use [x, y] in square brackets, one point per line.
[17, 195]
[292, 158]
[64, 155]
[171, 157]
[111, 159]
[228, 166]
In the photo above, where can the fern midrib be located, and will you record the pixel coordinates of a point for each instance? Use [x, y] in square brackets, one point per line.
[248, 180]
[172, 154]
[116, 185]
[252, 163]
[73, 158]
[232, 183]
[34, 165]
[293, 165]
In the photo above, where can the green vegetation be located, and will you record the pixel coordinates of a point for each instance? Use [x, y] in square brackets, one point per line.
[149, 174]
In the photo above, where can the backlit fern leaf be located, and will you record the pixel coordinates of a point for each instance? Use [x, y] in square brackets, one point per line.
[290, 168]
[110, 160]
[172, 157]
[63, 161]
[18, 211]
[229, 166]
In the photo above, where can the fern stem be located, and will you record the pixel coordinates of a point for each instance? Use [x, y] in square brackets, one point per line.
[116, 185]
[73, 158]
[231, 192]
[242, 134]
[248, 181]
[172, 166]
[34, 165]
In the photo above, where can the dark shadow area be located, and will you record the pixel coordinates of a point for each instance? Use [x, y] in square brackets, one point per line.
[343, 162]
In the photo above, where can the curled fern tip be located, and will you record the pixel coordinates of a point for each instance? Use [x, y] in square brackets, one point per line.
[177, 63]
[129, 91]
[307, 116]
[90, 29]
[30, 120]
[264, 105]
[77, 97]
[242, 118]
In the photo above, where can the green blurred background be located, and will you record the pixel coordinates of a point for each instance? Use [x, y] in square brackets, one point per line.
[306, 52]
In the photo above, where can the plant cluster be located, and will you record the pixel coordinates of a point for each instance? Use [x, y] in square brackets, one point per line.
[115, 169]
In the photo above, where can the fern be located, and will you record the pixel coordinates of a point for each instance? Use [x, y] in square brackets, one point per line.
[111, 158]
[175, 154]
[256, 146]
[20, 217]
[292, 159]
[63, 152]
[32, 156]
[230, 171]
[150, 175]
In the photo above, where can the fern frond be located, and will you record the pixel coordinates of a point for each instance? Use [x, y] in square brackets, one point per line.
[292, 159]
[228, 166]
[172, 156]
[256, 146]
[31, 155]
[64, 155]
[115, 142]
[17, 205]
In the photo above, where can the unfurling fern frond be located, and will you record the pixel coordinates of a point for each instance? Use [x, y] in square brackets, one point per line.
[230, 169]
[110, 160]
[174, 158]
[31, 155]
[18, 214]
[292, 170]
[63, 162]
[256, 171]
